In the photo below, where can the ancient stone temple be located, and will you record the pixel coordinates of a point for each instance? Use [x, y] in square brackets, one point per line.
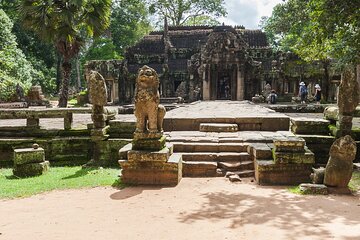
[194, 62]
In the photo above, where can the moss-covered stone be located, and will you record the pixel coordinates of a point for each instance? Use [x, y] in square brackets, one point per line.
[154, 156]
[31, 169]
[289, 144]
[294, 157]
[149, 144]
[28, 155]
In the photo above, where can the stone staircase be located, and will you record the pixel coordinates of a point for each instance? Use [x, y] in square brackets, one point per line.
[207, 157]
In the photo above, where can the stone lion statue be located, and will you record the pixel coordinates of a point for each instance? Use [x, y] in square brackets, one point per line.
[148, 112]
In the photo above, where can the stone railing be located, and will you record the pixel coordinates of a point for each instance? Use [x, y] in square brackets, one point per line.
[33, 116]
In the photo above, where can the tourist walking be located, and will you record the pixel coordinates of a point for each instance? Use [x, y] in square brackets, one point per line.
[317, 95]
[303, 92]
[272, 97]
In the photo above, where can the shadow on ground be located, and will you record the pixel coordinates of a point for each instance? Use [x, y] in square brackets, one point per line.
[281, 210]
[131, 191]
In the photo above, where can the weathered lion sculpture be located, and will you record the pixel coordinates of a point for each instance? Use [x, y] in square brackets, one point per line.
[149, 113]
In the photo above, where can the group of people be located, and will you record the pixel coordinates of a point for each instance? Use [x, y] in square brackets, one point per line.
[271, 96]
[303, 93]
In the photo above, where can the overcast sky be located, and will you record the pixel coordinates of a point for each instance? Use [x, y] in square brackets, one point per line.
[247, 12]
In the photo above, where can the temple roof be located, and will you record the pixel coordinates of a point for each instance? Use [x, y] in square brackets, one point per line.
[192, 37]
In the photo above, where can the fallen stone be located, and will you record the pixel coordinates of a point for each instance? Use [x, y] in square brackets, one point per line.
[234, 178]
[317, 177]
[310, 188]
[228, 174]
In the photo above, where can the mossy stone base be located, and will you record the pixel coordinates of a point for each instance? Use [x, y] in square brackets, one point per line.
[31, 169]
[289, 144]
[152, 172]
[294, 157]
[149, 144]
[28, 155]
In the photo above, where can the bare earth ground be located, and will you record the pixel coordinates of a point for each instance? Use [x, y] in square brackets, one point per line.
[207, 208]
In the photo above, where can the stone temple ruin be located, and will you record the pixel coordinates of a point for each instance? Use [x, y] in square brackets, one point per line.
[206, 139]
[207, 63]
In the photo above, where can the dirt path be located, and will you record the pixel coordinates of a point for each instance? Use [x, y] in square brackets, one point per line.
[195, 209]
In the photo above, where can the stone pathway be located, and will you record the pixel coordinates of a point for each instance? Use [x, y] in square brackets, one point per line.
[211, 109]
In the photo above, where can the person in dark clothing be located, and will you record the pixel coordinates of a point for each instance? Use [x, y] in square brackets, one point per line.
[303, 92]
[317, 93]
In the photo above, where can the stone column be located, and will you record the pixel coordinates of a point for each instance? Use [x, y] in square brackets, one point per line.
[98, 96]
[206, 83]
[240, 83]
[347, 100]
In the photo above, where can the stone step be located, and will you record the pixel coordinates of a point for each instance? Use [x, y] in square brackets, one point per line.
[210, 147]
[236, 165]
[199, 169]
[218, 127]
[215, 156]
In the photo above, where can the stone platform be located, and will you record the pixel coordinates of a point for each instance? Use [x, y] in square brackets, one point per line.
[150, 167]
[248, 116]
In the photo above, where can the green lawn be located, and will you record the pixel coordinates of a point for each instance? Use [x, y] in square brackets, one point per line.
[56, 178]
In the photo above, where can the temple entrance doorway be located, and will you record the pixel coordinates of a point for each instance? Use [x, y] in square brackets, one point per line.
[223, 86]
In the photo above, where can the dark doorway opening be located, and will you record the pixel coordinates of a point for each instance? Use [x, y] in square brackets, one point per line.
[223, 90]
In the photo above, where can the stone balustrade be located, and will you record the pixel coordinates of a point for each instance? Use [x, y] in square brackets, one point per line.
[33, 116]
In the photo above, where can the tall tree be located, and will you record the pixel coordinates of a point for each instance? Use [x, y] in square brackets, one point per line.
[14, 67]
[40, 54]
[64, 23]
[317, 30]
[178, 12]
[129, 22]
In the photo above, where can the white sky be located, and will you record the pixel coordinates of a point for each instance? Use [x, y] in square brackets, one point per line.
[247, 12]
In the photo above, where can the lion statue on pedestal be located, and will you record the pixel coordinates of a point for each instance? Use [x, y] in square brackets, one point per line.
[148, 112]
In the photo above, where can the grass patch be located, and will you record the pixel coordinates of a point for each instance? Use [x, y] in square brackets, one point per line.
[295, 190]
[354, 183]
[56, 178]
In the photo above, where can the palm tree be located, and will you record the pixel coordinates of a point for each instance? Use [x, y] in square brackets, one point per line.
[65, 23]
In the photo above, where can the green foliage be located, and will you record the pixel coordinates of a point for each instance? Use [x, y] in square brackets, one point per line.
[14, 67]
[102, 48]
[129, 22]
[316, 29]
[66, 24]
[56, 178]
[179, 12]
[202, 20]
[40, 54]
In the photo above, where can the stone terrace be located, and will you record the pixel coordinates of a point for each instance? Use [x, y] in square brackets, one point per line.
[248, 116]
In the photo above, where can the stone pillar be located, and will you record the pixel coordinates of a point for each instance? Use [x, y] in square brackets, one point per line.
[98, 96]
[240, 83]
[206, 84]
[347, 100]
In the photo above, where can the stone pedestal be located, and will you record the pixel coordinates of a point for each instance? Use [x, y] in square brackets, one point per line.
[30, 162]
[291, 163]
[159, 167]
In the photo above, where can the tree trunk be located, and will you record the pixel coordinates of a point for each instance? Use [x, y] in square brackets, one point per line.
[78, 77]
[66, 66]
[58, 73]
[326, 83]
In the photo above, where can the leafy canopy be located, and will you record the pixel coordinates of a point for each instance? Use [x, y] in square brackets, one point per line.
[179, 12]
[316, 29]
[14, 67]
